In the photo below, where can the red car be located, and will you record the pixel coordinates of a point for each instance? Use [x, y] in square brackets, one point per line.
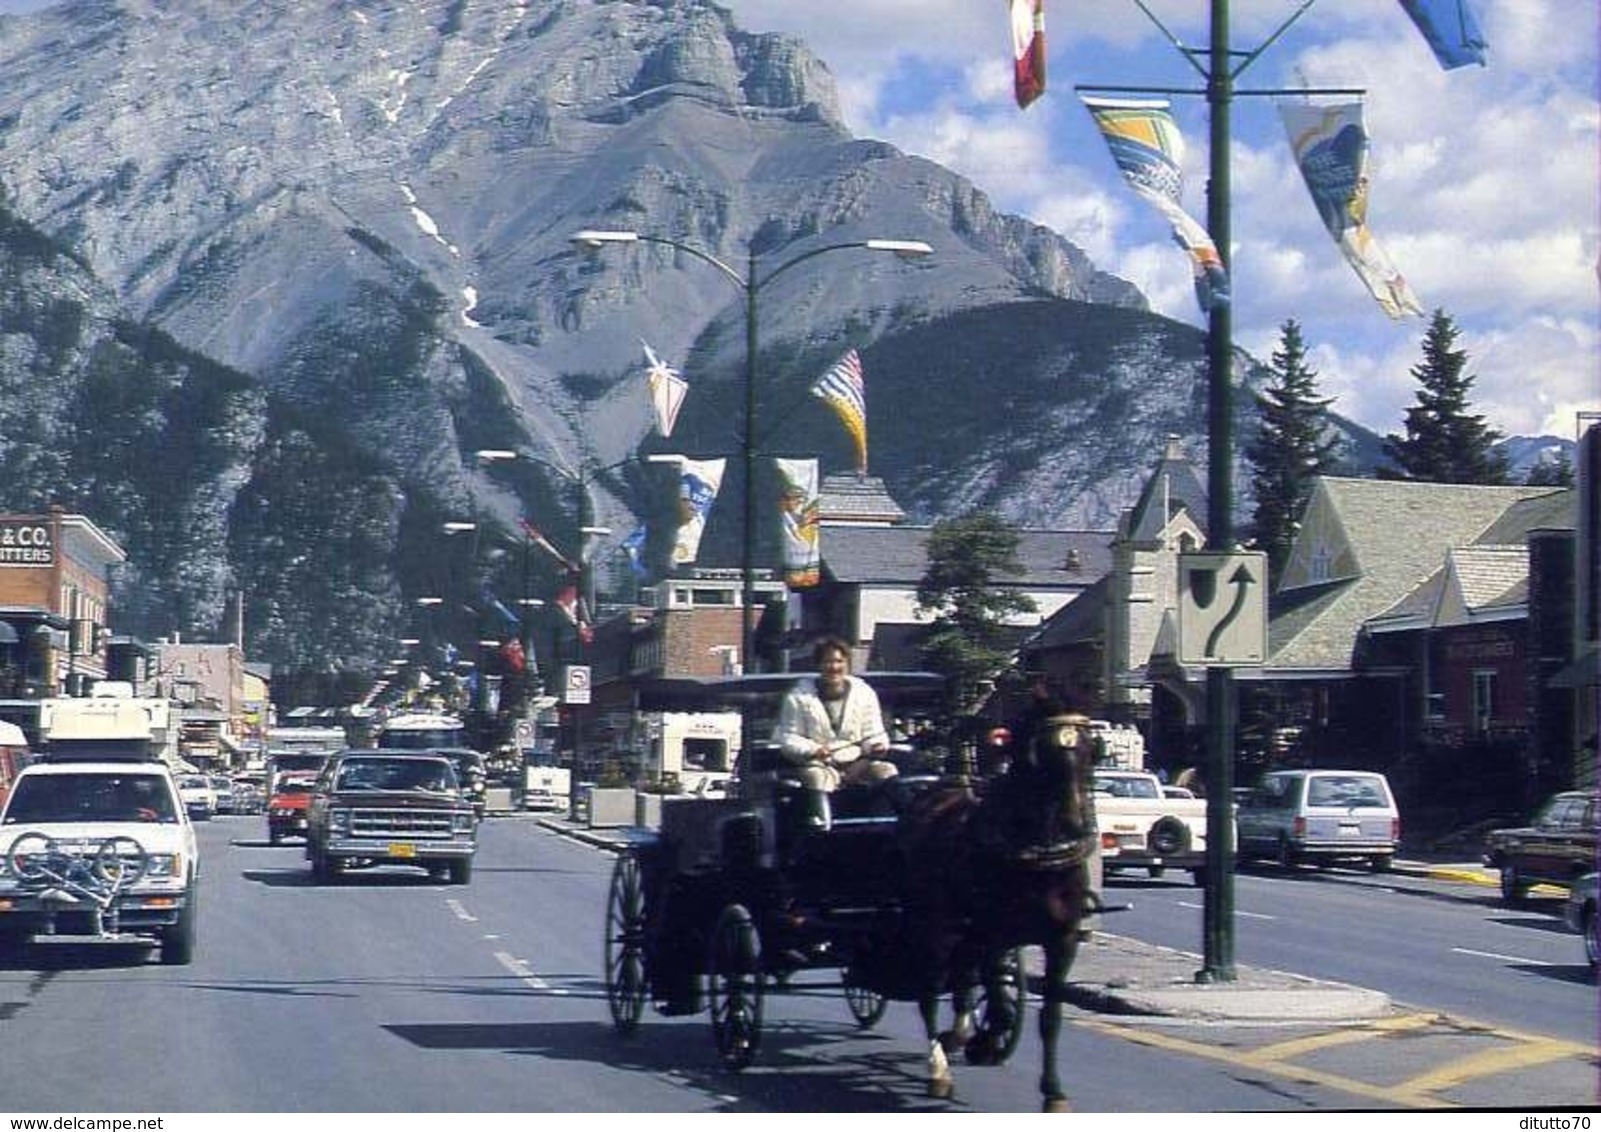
[286, 809]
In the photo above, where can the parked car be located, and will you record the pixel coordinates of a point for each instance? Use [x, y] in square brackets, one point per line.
[198, 796]
[1319, 816]
[1557, 847]
[1582, 918]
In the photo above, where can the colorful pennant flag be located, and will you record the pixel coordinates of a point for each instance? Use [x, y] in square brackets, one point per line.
[1028, 50]
[843, 387]
[634, 547]
[537, 537]
[1451, 29]
[488, 597]
[577, 613]
[697, 491]
[1148, 148]
[799, 509]
[1331, 148]
[667, 390]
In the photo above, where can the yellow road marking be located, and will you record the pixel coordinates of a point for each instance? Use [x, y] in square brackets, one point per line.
[1524, 1052]
[1282, 1051]
[1272, 1068]
[1422, 1091]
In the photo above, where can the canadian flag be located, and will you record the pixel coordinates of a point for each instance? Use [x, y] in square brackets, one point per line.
[1028, 49]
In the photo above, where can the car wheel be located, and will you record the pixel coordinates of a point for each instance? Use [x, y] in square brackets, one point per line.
[1288, 858]
[461, 871]
[1155, 871]
[1513, 887]
[1592, 937]
[1381, 863]
[274, 837]
[178, 940]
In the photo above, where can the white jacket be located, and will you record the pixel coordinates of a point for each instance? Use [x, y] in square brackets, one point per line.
[803, 723]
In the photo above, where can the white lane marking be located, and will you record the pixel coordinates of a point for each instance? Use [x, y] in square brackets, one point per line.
[459, 911]
[526, 973]
[1503, 958]
[1237, 912]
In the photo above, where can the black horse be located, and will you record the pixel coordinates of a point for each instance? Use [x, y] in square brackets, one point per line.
[994, 868]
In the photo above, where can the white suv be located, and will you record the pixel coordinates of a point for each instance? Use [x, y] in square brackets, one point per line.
[101, 849]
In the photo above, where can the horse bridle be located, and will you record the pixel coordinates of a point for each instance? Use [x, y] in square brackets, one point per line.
[1059, 855]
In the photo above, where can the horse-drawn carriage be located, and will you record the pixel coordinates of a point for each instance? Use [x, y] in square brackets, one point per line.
[734, 896]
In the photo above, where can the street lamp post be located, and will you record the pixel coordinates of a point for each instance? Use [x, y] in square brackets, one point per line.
[751, 285]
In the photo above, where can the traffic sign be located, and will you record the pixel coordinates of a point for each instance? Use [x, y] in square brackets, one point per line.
[1223, 608]
[577, 684]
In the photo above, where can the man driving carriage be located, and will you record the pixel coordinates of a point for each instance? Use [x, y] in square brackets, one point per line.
[831, 728]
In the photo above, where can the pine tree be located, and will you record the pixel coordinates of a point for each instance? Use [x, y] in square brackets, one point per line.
[967, 641]
[1444, 442]
[1290, 449]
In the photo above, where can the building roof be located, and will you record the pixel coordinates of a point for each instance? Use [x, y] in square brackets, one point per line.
[1393, 536]
[1175, 482]
[1082, 619]
[856, 498]
[898, 556]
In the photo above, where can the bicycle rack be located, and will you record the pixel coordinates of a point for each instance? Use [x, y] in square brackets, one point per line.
[37, 861]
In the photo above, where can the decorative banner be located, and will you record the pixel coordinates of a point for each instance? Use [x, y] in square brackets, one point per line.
[577, 613]
[844, 388]
[667, 390]
[488, 597]
[1451, 29]
[1331, 147]
[538, 539]
[634, 546]
[697, 491]
[1028, 50]
[799, 508]
[1148, 148]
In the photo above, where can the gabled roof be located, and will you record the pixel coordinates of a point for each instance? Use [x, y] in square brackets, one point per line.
[1175, 481]
[1080, 620]
[1487, 575]
[899, 556]
[856, 498]
[1395, 536]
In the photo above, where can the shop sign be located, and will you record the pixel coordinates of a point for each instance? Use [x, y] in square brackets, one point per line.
[25, 543]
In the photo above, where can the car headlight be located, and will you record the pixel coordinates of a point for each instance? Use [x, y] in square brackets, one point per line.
[461, 823]
[339, 821]
[163, 866]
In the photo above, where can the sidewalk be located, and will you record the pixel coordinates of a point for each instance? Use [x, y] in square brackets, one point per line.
[1117, 975]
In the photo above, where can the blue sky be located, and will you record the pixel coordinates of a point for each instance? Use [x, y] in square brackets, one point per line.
[1486, 182]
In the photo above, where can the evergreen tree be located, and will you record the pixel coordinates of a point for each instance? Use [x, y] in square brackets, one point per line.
[1551, 473]
[1290, 448]
[967, 642]
[1444, 442]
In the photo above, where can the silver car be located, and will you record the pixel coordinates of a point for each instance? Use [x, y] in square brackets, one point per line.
[1581, 916]
[1319, 816]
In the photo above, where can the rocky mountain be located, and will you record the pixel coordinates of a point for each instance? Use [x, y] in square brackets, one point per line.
[272, 272]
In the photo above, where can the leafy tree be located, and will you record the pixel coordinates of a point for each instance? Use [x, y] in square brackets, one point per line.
[968, 641]
[1551, 473]
[1291, 447]
[1444, 442]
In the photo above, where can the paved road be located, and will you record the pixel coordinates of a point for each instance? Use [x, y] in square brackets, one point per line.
[389, 992]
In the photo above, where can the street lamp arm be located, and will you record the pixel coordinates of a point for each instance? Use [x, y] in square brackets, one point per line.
[704, 256]
[908, 249]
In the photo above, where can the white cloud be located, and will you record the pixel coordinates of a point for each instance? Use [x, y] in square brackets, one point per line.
[1492, 216]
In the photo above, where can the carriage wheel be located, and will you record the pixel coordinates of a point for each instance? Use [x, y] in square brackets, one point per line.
[734, 987]
[999, 1010]
[866, 1006]
[625, 938]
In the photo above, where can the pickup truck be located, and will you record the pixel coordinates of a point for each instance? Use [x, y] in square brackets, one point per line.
[379, 807]
[1142, 828]
[1557, 847]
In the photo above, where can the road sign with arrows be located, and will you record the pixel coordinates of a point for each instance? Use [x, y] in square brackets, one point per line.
[1223, 609]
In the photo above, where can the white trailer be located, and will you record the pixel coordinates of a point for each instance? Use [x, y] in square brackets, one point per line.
[696, 747]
